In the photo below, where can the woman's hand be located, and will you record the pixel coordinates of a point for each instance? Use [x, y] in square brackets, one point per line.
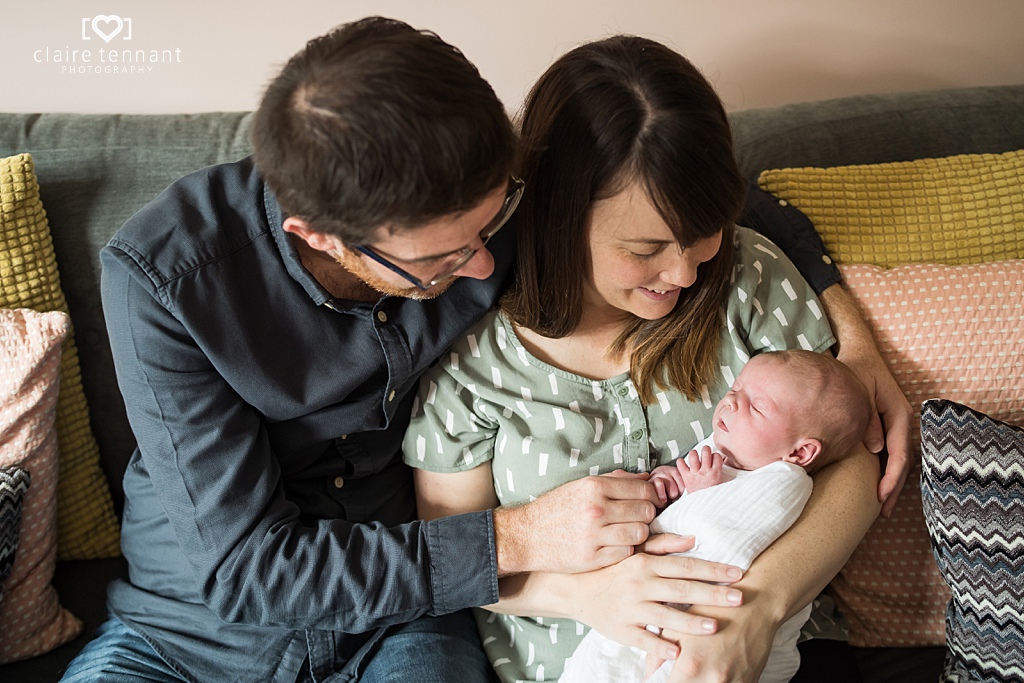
[622, 600]
[890, 410]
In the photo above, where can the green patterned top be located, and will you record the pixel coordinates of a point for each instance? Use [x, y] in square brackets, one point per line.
[542, 427]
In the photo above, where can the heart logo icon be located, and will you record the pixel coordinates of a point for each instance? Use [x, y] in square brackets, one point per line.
[107, 20]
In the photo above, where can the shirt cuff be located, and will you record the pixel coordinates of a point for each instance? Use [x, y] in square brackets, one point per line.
[793, 232]
[463, 561]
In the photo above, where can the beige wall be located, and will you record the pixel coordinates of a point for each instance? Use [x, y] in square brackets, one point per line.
[211, 56]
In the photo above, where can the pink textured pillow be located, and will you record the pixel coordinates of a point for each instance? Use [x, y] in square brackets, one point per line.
[32, 620]
[954, 332]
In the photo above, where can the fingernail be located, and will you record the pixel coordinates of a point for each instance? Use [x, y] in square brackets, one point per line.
[708, 625]
[734, 597]
[671, 653]
[734, 573]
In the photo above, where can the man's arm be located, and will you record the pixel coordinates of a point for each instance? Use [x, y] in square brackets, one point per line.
[209, 459]
[890, 410]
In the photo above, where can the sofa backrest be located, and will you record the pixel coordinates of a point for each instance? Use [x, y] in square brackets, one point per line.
[96, 170]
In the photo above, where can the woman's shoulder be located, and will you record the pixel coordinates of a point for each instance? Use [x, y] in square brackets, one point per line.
[752, 246]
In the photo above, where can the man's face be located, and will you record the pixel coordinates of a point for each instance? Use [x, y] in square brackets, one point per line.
[424, 251]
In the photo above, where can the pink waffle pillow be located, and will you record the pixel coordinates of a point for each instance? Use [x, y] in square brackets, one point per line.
[32, 620]
[953, 332]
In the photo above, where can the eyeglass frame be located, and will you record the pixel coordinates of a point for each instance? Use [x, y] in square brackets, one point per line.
[466, 254]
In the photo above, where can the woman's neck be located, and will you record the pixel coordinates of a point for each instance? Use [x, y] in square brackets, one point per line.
[585, 352]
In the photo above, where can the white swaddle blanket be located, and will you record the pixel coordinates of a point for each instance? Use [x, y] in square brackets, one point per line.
[732, 523]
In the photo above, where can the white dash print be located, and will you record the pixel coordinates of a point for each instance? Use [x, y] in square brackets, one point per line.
[766, 250]
[496, 377]
[504, 660]
[598, 393]
[705, 397]
[741, 353]
[510, 481]
[540, 673]
[579, 628]
[759, 268]
[474, 349]
[501, 337]
[741, 295]
[574, 457]
[815, 309]
[542, 464]
[437, 443]
[767, 343]
[617, 453]
[553, 633]
[698, 430]
[598, 428]
[663, 402]
[431, 393]
[521, 352]
[559, 419]
[472, 389]
[421, 447]
[506, 413]
[553, 381]
[787, 287]
[489, 639]
[618, 411]
[530, 654]
[575, 407]
[781, 316]
[804, 344]
[673, 449]
[502, 443]
[527, 440]
[467, 456]
[595, 470]
[454, 361]
[522, 409]
[727, 374]
[449, 423]
[527, 394]
[757, 306]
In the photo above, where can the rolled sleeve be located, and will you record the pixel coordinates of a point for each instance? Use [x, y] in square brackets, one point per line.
[460, 575]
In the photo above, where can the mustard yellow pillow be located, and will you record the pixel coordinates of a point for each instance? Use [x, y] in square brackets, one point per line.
[955, 210]
[86, 525]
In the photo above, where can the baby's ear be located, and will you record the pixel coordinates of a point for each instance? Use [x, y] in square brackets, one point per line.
[804, 453]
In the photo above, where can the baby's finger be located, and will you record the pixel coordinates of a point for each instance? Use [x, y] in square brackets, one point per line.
[659, 487]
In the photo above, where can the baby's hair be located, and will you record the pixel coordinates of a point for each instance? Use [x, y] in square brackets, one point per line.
[838, 409]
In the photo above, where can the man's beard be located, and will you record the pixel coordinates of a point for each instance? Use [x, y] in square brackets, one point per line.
[358, 267]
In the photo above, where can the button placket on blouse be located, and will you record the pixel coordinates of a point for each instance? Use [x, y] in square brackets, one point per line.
[635, 448]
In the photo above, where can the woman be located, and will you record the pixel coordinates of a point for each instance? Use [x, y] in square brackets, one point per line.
[636, 302]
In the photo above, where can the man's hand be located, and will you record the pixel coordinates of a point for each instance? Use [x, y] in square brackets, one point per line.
[580, 526]
[700, 471]
[890, 410]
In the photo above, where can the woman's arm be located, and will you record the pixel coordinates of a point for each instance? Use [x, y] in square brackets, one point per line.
[786, 576]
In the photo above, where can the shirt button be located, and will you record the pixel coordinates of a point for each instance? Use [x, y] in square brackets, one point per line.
[623, 391]
[344, 436]
[637, 434]
[826, 259]
[382, 316]
[783, 202]
[391, 396]
[339, 482]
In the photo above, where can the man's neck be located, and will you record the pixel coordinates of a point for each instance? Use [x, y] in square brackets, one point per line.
[332, 276]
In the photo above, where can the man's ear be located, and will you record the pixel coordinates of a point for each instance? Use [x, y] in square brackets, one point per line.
[317, 240]
[804, 453]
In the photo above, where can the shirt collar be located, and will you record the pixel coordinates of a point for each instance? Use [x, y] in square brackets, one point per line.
[289, 254]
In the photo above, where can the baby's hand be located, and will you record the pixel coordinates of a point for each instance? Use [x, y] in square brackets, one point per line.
[667, 482]
[700, 471]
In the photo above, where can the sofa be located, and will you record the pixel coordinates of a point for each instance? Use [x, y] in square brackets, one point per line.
[94, 171]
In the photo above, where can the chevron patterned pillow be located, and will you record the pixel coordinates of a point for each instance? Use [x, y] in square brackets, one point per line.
[14, 481]
[972, 490]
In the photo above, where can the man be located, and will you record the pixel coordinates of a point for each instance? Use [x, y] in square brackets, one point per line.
[269, 320]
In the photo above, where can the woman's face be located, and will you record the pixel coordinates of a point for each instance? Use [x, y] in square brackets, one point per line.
[637, 265]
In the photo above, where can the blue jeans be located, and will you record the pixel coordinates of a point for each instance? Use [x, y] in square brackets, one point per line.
[428, 650]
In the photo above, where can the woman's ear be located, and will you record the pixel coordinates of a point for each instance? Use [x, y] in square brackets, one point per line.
[804, 453]
[316, 240]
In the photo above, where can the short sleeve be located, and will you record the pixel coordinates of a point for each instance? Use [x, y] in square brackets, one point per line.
[452, 429]
[771, 306]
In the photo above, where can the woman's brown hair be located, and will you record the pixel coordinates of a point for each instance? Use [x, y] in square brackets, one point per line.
[607, 114]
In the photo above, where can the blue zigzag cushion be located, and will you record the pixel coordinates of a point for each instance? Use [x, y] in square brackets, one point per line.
[14, 482]
[972, 490]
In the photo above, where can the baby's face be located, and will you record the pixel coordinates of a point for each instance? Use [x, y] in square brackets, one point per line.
[755, 423]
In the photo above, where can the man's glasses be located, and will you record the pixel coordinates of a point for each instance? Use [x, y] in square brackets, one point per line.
[455, 261]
